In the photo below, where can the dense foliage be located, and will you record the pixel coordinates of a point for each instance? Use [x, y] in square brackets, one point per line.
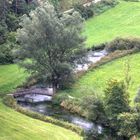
[11, 11]
[54, 46]
[95, 8]
[116, 100]
[113, 112]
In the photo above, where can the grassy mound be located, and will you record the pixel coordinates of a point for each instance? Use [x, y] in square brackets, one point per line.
[120, 21]
[15, 126]
[94, 82]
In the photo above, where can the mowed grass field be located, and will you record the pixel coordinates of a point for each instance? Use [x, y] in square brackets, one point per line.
[120, 21]
[15, 126]
[94, 82]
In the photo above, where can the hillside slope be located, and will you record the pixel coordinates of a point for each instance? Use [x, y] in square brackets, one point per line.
[15, 126]
[120, 21]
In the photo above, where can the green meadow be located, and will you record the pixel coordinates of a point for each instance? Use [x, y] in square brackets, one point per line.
[120, 21]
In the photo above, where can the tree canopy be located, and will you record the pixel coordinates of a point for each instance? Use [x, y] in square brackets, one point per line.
[52, 43]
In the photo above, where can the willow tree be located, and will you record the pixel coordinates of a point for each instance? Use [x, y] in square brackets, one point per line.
[51, 44]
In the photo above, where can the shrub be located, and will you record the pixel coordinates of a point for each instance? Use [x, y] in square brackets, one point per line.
[59, 98]
[73, 106]
[5, 54]
[123, 44]
[86, 12]
[127, 124]
[7, 49]
[11, 102]
[90, 107]
[98, 47]
[95, 108]
[116, 98]
[103, 5]
[137, 98]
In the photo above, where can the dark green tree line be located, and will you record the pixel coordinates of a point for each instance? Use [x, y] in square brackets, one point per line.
[11, 11]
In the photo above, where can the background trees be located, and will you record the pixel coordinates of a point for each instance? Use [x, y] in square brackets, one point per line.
[116, 100]
[11, 11]
[51, 43]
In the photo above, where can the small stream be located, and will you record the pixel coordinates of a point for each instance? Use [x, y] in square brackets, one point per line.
[46, 108]
[92, 58]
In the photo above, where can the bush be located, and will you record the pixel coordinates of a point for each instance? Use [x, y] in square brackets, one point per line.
[137, 98]
[90, 107]
[6, 55]
[95, 108]
[127, 124]
[86, 12]
[73, 106]
[103, 5]
[116, 98]
[11, 102]
[98, 47]
[7, 49]
[123, 44]
[59, 98]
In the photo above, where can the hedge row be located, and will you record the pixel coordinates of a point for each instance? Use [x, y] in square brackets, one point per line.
[10, 101]
[118, 44]
[123, 44]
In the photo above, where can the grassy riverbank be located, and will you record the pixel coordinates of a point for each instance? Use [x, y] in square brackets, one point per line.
[94, 81]
[15, 126]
